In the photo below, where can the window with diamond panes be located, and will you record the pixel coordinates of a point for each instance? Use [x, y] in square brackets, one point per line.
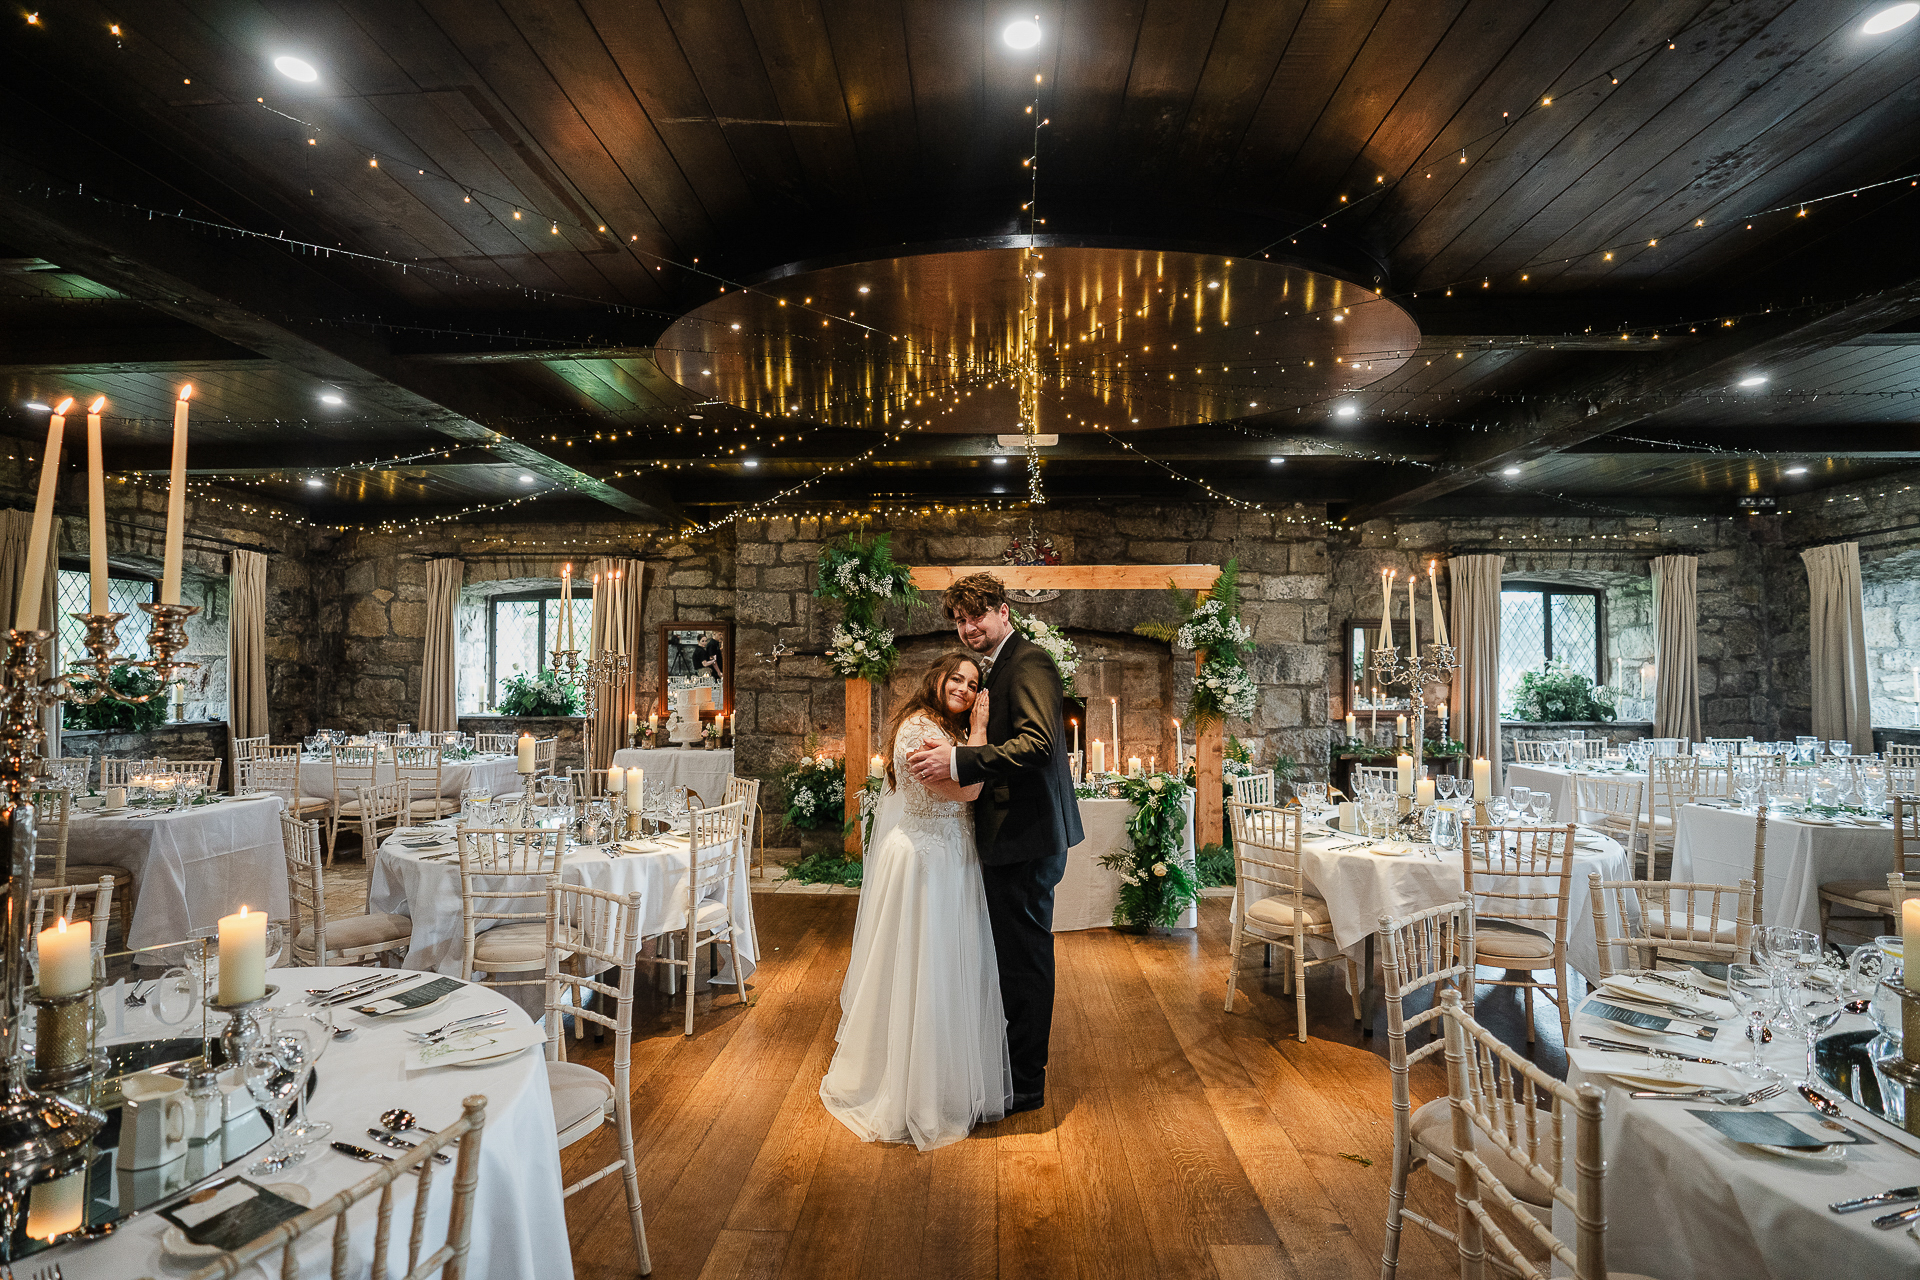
[525, 630]
[73, 593]
[1540, 624]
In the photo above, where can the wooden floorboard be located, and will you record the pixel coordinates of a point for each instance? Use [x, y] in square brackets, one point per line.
[1178, 1139]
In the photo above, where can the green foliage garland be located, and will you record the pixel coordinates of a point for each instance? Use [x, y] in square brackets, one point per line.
[119, 717]
[1223, 688]
[1158, 880]
[861, 576]
[542, 695]
[1558, 692]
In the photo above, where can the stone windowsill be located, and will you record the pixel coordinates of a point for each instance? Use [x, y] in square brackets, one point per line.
[1577, 724]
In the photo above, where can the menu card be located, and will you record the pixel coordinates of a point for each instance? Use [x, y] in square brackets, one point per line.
[230, 1214]
[1597, 1008]
[412, 998]
[1772, 1129]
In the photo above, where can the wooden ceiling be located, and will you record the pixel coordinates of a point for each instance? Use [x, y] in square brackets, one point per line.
[472, 230]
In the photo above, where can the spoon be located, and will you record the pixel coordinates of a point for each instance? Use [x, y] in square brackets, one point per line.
[399, 1120]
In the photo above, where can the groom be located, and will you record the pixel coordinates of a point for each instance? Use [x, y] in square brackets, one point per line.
[1024, 821]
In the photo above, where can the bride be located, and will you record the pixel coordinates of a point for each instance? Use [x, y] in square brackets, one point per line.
[922, 1051]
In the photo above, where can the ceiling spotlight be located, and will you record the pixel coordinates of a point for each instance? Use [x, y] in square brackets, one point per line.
[35, 404]
[999, 462]
[750, 462]
[706, 373]
[1796, 471]
[1345, 411]
[864, 289]
[1213, 284]
[1024, 34]
[525, 478]
[1511, 471]
[330, 398]
[1276, 462]
[1754, 380]
[1896, 15]
[315, 482]
[697, 417]
[998, 489]
[299, 69]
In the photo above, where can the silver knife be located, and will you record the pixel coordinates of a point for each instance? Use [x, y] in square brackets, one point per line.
[1616, 1046]
[348, 988]
[401, 1144]
[360, 1153]
[1894, 1196]
[1895, 1219]
[365, 991]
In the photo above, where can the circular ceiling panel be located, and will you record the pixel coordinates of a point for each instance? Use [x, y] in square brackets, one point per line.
[1122, 338]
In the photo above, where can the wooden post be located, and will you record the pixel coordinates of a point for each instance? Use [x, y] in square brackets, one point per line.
[1209, 749]
[859, 747]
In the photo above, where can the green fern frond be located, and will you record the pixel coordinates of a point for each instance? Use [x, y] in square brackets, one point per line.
[1164, 632]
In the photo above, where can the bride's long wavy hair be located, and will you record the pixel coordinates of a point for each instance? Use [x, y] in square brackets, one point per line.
[926, 699]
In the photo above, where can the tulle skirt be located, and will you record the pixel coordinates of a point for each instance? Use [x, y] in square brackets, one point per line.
[922, 1054]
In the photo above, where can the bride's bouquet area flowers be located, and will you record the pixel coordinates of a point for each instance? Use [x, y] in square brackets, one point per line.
[1223, 688]
[1049, 637]
[1158, 876]
[861, 576]
[816, 791]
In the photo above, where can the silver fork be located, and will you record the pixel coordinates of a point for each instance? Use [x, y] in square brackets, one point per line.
[456, 1023]
[51, 1272]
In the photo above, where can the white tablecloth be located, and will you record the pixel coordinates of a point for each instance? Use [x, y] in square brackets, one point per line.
[495, 773]
[1557, 780]
[1088, 892]
[429, 893]
[1360, 887]
[698, 770]
[1683, 1201]
[190, 866]
[1716, 846]
[519, 1224]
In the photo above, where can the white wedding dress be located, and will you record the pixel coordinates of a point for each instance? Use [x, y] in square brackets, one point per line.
[923, 1038]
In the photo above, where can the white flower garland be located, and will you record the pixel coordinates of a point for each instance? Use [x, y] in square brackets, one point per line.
[1049, 637]
[855, 649]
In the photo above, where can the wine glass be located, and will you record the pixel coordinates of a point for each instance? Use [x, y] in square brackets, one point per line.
[1814, 1004]
[1539, 805]
[1463, 787]
[274, 1087]
[1751, 991]
[1444, 785]
[302, 1039]
[1517, 799]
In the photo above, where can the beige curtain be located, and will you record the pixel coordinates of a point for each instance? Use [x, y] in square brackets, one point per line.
[617, 628]
[1839, 646]
[1676, 648]
[1474, 583]
[439, 664]
[16, 529]
[247, 646]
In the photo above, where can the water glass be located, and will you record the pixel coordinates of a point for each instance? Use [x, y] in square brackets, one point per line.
[274, 1087]
[1517, 798]
[1814, 1004]
[301, 1040]
[1463, 787]
[1444, 785]
[1539, 805]
[1840, 747]
[1752, 993]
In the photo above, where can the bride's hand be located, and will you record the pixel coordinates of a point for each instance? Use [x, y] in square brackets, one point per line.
[979, 724]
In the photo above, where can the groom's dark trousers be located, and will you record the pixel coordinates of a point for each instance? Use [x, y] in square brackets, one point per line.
[1024, 821]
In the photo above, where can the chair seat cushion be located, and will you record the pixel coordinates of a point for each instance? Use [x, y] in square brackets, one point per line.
[1432, 1129]
[1873, 891]
[1278, 912]
[433, 807]
[1698, 928]
[578, 1094]
[88, 872]
[515, 944]
[1505, 940]
[711, 915]
[350, 933]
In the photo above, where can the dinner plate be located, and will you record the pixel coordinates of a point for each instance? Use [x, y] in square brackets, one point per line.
[174, 1242]
[1832, 1152]
[1389, 851]
[490, 1061]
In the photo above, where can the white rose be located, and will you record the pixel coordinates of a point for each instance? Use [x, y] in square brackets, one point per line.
[1160, 868]
[1157, 783]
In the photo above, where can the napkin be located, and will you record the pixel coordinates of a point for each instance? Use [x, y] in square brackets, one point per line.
[229, 1216]
[1659, 993]
[1772, 1129]
[472, 1045]
[1636, 1070]
[412, 998]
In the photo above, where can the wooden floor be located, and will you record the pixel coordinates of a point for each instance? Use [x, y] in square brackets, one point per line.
[1177, 1140]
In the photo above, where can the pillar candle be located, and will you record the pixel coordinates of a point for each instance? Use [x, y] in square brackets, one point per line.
[636, 789]
[1179, 748]
[1423, 791]
[653, 721]
[1482, 779]
[633, 722]
[66, 958]
[616, 781]
[1403, 782]
[58, 1207]
[1349, 816]
[525, 753]
[1351, 726]
[1386, 608]
[243, 956]
[876, 767]
[176, 503]
[1400, 726]
[96, 511]
[1099, 754]
[1133, 766]
[33, 579]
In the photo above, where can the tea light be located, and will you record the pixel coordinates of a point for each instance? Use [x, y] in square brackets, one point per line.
[66, 958]
[243, 956]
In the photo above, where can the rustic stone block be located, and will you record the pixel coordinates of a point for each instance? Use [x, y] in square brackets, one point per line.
[368, 619]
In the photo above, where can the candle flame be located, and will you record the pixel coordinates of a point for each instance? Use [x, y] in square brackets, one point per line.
[61, 924]
[186, 392]
[63, 406]
[97, 405]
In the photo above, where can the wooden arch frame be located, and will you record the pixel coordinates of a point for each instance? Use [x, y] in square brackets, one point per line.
[1198, 578]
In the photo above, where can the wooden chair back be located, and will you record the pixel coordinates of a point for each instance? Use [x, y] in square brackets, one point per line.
[1530, 1117]
[420, 769]
[53, 814]
[1529, 751]
[244, 749]
[1671, 782]
[207, 772]
[1384, 774]
[1522, 875]
[119, 773]
[67, 901]
[71, 772]
[1671, 918]
[713, 838]
[306, 886]
[448, 1261]
[1254, 788]
[353, 768]
[494, 744]
[546, 753]
[269, 774]
[746, 792]
[1770, 769]
[1590, 748]
[503, 880]
[1906, 835]
[1266, 858]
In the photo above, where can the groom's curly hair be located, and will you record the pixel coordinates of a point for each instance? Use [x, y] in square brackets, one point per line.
[973, 595]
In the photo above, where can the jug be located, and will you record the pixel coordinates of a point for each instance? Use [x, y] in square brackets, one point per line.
[153, 1123]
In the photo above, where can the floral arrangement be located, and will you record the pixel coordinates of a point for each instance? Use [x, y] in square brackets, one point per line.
[1223, 688]
[1049, 637]
[108, 713]
[1158, 880]
[545, 694]
[816, 791]
[860, 574]
[711, 730]
[1558, 692]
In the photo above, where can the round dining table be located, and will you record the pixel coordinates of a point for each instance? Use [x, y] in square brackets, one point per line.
[519, 1221]
[494, 774]
[1713, 843]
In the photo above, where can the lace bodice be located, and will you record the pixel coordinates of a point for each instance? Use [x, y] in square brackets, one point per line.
[914, 796]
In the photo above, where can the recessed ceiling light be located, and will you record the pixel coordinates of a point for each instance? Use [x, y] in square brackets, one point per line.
[1754, 380]
[1345, 411]
[998, 489]
[707, 372]
[864, 289]
[330, 398]
[315, 482]
[35, 404]
[1253, 404]
[296, 69]
[751, 462]
[1897, 15]
[697, 417]
[1022, 34]
[1796, 471]
[999, 462]
[526, 479]
[1276, 462]
[1511, 471]
[1213, 284]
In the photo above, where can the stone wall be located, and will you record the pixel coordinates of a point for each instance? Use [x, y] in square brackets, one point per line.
[204, 740]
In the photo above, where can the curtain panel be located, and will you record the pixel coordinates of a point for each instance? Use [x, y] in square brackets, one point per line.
[1676, 648]
[1839, 640]
[16, 530]
[247, 646]
[617, 628]
[1474, 583]
[439, 661]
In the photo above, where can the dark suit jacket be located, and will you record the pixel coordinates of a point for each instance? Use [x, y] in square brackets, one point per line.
[1026, 809]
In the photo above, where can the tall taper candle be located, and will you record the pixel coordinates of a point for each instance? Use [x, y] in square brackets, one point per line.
[1075, 724]
[1386, 608]
[1413, 626]
[96, 511]
[1403, 780]
[1114, 706]
[33, 579]
[566, 601]
[1179, 750]
[176, 503]
[593, 612]
[1433, 585]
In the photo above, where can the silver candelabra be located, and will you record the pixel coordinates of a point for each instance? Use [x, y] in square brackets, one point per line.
[1416, 672]
[604, 671]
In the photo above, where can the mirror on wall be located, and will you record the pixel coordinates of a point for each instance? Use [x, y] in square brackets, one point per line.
[696, 663]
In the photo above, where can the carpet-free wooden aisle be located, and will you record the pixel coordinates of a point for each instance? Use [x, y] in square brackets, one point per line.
[1178, 1140]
